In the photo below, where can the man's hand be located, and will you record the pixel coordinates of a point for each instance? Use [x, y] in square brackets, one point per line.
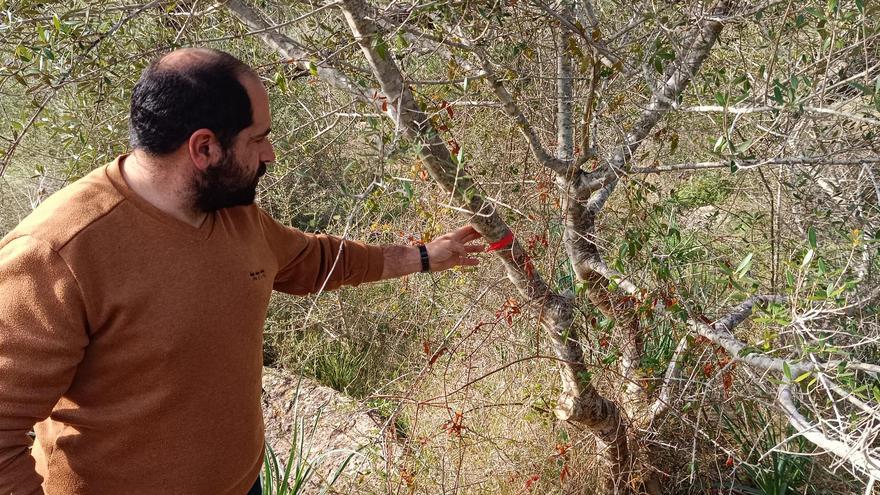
[453, 249]
[444, 252]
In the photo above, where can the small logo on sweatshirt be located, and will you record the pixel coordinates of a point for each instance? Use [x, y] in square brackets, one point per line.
[258, 275]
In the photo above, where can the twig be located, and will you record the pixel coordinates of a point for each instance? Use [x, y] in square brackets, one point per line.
[746, 164]
[776, 108]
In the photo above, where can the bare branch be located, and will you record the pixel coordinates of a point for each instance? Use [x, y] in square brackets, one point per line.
[295, 53]
[670, 378]
[681, 71]
[587, 121]
[580, 216]
[746, 164]
[863, 458]
[773, 108]
[564, 119]
[512, 110]
[721, 334]
[605, 55]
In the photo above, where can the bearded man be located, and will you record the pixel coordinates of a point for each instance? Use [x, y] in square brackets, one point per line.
[132, 302]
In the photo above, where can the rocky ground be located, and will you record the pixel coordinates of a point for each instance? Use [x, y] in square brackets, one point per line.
[332, 428]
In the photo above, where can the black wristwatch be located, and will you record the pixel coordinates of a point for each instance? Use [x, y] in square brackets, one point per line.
[423, 252]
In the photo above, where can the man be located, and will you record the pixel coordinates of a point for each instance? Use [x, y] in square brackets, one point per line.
[132, 302]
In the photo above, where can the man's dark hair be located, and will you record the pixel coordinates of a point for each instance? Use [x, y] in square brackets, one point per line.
[173, 100]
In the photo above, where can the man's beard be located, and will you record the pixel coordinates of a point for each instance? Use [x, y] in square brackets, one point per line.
[225, 185]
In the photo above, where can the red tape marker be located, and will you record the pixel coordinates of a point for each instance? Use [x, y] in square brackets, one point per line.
[502, 243]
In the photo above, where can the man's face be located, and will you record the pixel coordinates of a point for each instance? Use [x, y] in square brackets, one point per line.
[232, 181]
[226, 184]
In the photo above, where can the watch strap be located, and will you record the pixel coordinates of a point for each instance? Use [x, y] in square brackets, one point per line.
[423, 252]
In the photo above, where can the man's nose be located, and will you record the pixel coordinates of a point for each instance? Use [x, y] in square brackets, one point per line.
[269, 154]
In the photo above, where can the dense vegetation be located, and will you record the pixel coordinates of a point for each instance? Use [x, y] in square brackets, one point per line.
[693, 188]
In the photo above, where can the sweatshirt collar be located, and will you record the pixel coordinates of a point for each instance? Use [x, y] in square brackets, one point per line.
[114, 173]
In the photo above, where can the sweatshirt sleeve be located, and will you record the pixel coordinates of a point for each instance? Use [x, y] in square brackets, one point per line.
[309, 263]
[43, 334]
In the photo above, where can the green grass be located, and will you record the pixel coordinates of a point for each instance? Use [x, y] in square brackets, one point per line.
[710, 188]
[770, 452]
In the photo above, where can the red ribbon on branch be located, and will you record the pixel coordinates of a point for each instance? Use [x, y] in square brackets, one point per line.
[502, 243]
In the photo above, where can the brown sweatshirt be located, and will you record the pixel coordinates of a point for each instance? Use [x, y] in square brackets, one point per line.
[134, 341]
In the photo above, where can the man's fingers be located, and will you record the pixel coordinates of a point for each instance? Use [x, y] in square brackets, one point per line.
[468, 261]
[465, 234]
[474, 248]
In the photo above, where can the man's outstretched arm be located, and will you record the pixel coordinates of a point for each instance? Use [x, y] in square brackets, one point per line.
[444, 252]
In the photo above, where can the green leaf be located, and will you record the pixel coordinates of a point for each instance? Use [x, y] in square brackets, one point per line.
[860, 4]
[469, 194]
[807, 258]
[836, 292]
[56, 21]
[832, 6]
[381, 47]
[777, 94]
[803, 377]
[743, 146]
[811, 236]
[407, 190]
[281, 82]
[818, 14]
[745, 351]
[23, 53]
[610, 358]
[744, 265]
[313, 68]
[401, 40]
[786, 370]
[861, 87]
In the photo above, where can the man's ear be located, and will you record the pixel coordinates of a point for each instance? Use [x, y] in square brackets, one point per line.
[204, 149]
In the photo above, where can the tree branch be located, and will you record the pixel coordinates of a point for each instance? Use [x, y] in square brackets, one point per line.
[681, 71]
[746, 164]
[774, 108]
[670, 378]
[862, 458]
[510, 108]
[605, 55]
[295, 53]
